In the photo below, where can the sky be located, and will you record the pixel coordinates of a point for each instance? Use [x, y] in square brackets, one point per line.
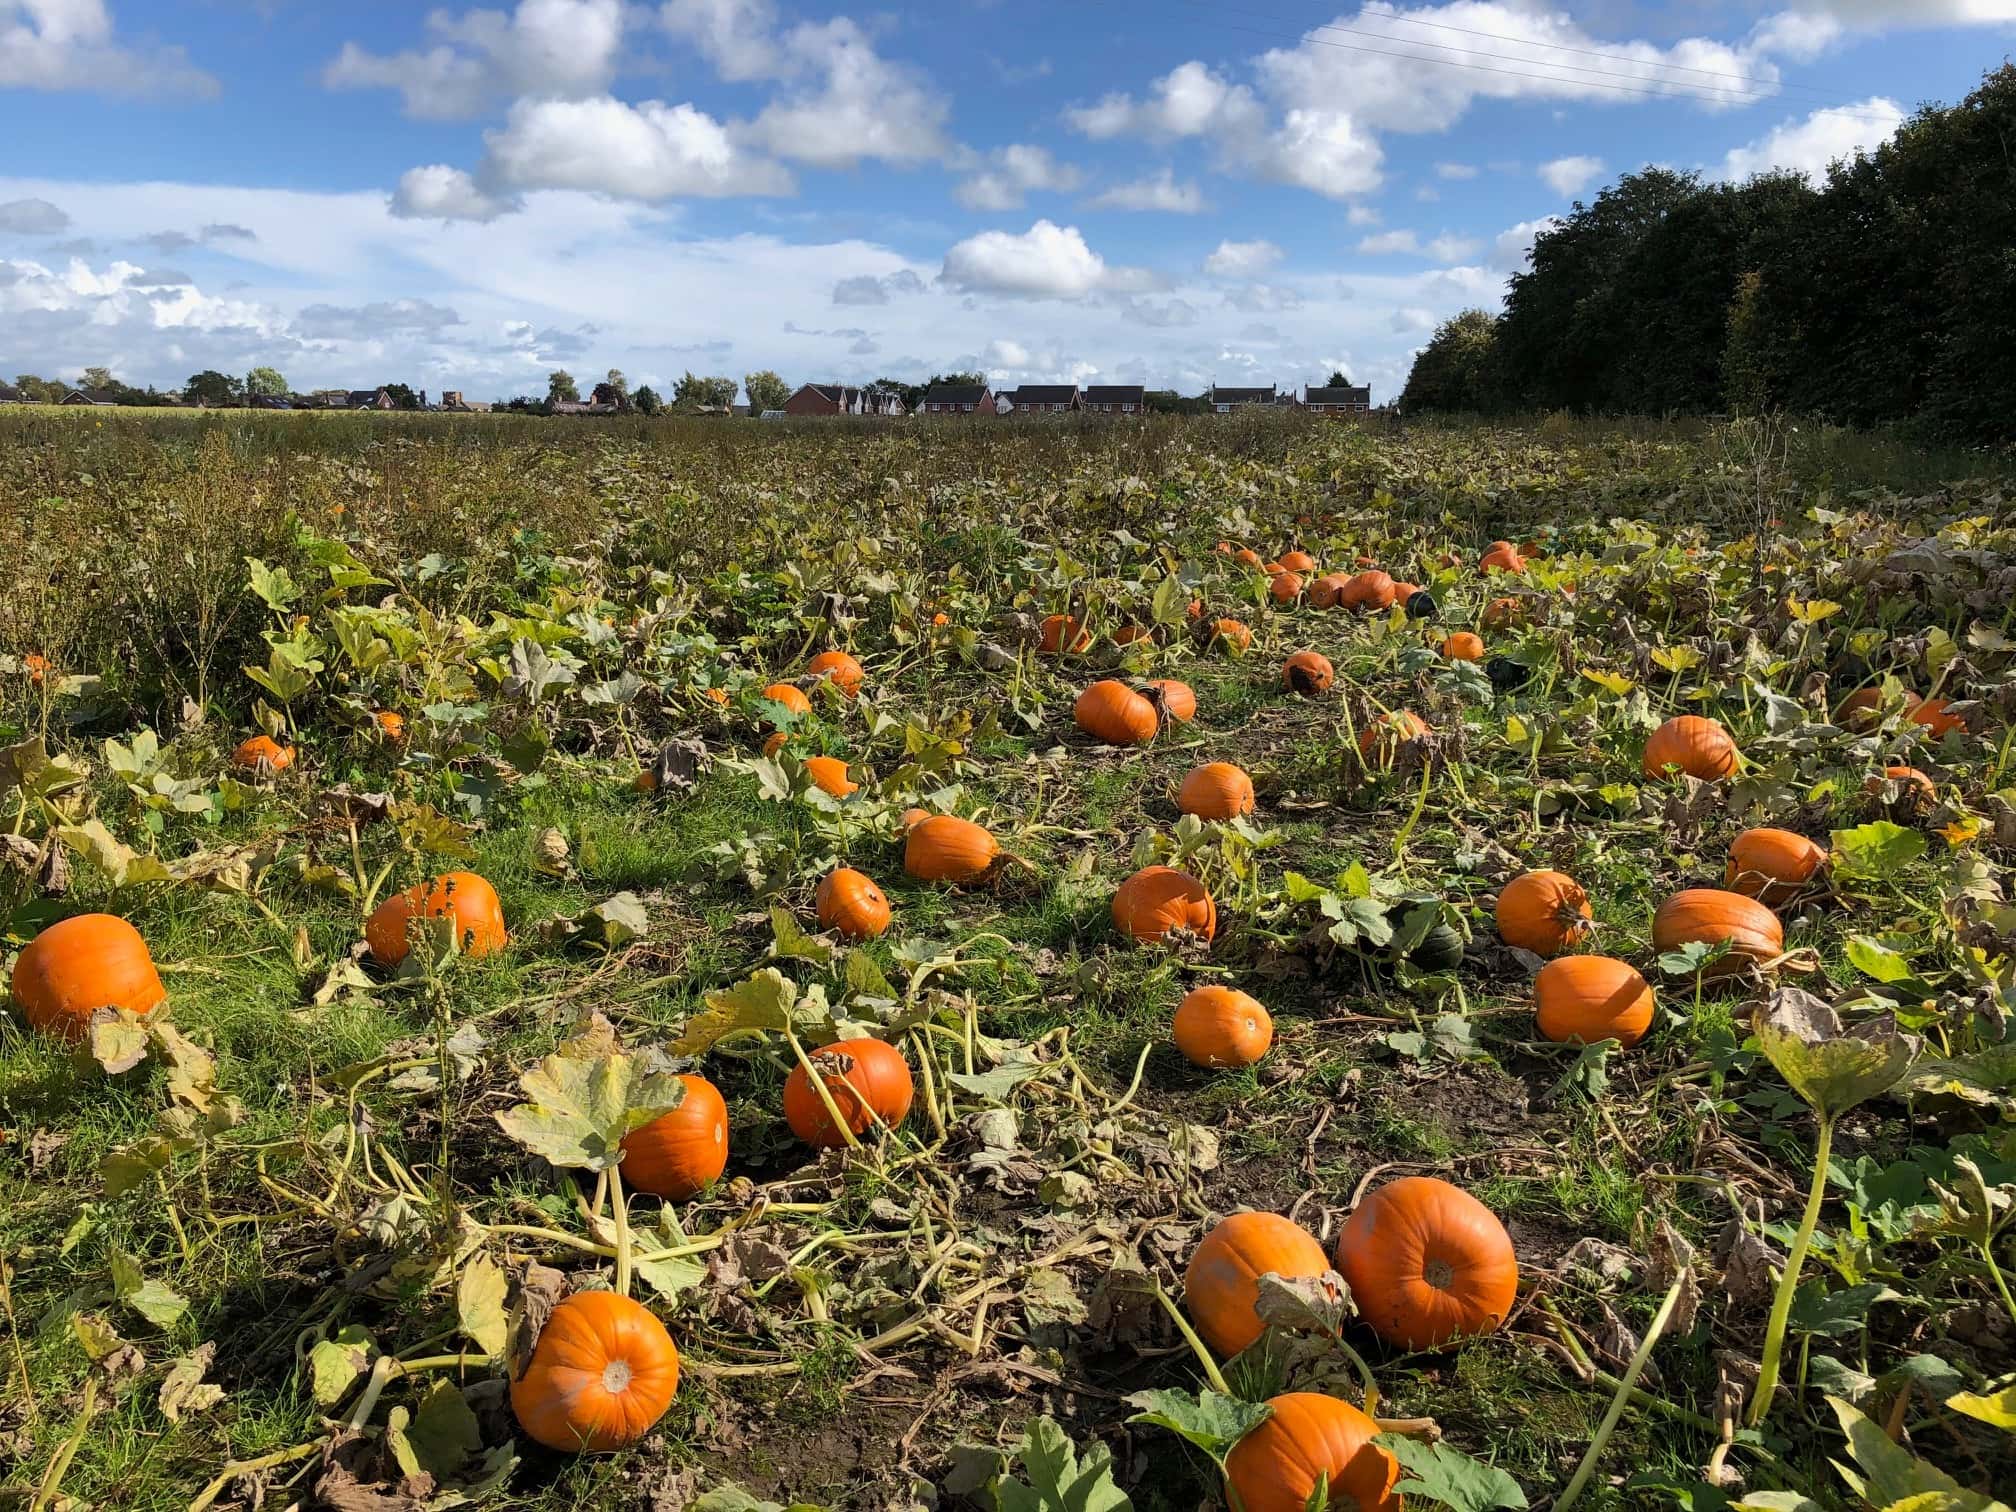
[1168, 192]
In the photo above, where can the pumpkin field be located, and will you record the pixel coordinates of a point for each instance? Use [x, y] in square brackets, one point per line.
[1262, 963]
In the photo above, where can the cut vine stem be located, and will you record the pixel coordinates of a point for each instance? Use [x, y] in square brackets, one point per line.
[1617, 1399]
[1788, 1283]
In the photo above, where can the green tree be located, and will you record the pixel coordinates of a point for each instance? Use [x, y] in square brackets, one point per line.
[618, 382]
[766, 391]
[691, 393]
[1746, 388]
[38, 390]
[402, 397]
[560, 388]
[1337, 379]
[98, 378]
[647, 401]
[909, 393]
[213, 389]
[265, 383]
[1455, 372]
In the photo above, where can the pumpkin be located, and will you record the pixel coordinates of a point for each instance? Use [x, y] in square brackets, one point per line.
[1112, 712]
[1216, 790]
[1710, 915]
[840, 669]
[1126, 635]
[1246, 556]
[1931, 713]
[945, 848]
[1218, 1026]
[1178, 702]
[1380, 741]
[866, 1078]
[1284, 587]
[1503, 557]
[391, 724]
[1221, 1287]
[1427, 1263]
[792, 698]
[1327, 591]
[1915, 789]
[829, 775]
[1159, 899]
[1403, 593]
[680, 1152]
[1061, 632]
[1231, 633]
[1420, 604]
[262, 753]
[81, 964]
[1864, 707]
[1440, 949]
[1697, 746]
[1272, 569]
[1298, 561]
[771, 746]
[1771, 864]
[1591, 998]
[1367, 592]
[36, 665]
[602, 1374]
[464, 896]
[1504, 614]
[849, 903]
[1545, 912]
[1463, 646]
[1307, 1437]
[913, 817]
[1307, 673]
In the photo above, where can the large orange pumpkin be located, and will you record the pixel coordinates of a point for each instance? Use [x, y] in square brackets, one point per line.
[829, 775]
[1427, 1263]
[1216, 790]
[81, 964]
[1159, 899]
[1231, 633]
[1368, 592]
[946, 848]
[842, 670]
[1061, 632]
[262, 753]
[1284, 587]
[1771, 865]
[1710, 915]
[602, 1374]
[471, 901]
[1463, 646]
[678, 1153]
[1310, 1436]
[1178, 702]
[1380, 741]
[1697, 746]
[1545, 912]
[1222, 1284]
[860, 1075]
[1307, 673]
[791, 697]
[1219, 1026]
[1298, 561]
[1591, 998]
[849, 903]
[1112, 712]
[1327, 591]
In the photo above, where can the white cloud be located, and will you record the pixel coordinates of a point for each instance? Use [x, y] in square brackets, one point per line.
[1013, 173]
[1513, 247]
[72, 45]
[1884, 13]
[1453, 249]
[1047, 261]
[1320, 149]
[1242, 259]
[1189, 100]
[438, 191]
[1808, 146]
[1161, 191]
[1571, 175]
[876, 289]
[650, 151]
[1456, 170]
[1362, 215]
[33, 217]
[863, 106]
[565, 49]
[736, 36]
[1387, 243]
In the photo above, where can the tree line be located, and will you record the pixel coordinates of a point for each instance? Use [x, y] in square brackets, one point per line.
[1887, 293]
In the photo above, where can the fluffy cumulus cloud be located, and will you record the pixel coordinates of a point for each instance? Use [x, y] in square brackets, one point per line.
[850, 104]
[33, 217]
[1571, 175]
[73, 45]
[1512, 248]
[1242, 259]
[1047, 261]
[1808, 146]
[1013, 173]
[1161, 191]
[651, 151]
[563, 48]
[440, 192]
[737, 36]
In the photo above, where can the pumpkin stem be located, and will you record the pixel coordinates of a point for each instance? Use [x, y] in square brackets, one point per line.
[1439, 1274]
[616, 1377]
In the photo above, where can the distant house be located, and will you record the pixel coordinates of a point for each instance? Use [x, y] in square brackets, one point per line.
[367, 399]
[11, 395]
[1338, 401]
[578, 407]
[101, 397]
[609, 399]
[1115, 399]
[1046, 399]
[813, 399]
[451, 399]
[957, 399]
[1225, 400]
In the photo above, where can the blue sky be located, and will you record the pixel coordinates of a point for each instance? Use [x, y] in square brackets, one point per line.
[1164, 191]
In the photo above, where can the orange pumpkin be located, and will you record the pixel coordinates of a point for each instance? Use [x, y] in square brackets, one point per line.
[36, 665]
[1710, 915]
[791, 697]
[1222, 1284]
[1327, 592]
[1368, 592]
[391, 724]
[1771, 864]
[1427, 1263]
[1298, 561]
[771, 746]
[1061, 632]
[914, 816]
[602, 1374]
[1503, 557]
[1380, 741]
[849, 903]
[461, 895]
[1284, 587]
[1463, 646]
[1159, 899]
[1178, 702]
[1591, 998]
[945, 848]
[1403, 593]
[1217, 1026]
[842, 670]
[1864, 707]
[1931, 713]
[81, 964]
[681, 1152]
[1916, 790]
[1309, 1437]
[1545, 912]
[262, 753]
[1216, 790]
[1504, 614]
[860, 1075]
[1126, 635]
[1307, 673]
[829, 775]
[1246, 556]
[1231, 633]
[1697, 746]
[1112, 712]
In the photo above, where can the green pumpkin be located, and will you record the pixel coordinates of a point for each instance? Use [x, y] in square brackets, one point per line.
[1441, 948]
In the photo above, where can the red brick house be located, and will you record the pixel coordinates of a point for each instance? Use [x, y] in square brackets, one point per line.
[839, 399]
[1116, 399]
[958, 399]
[1349, 400]
[1046, 399]
[1225, 400]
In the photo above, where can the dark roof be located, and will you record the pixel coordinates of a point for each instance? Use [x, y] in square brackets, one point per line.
[956, 393]
[1242, 395]
[1115, 393]
[836, 392]
[363, 396]
[1045, 393]
[9, 393]
[1348, 395]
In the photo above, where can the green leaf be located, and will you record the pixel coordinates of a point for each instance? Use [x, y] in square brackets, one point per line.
[1170, 603]
[1832, 1070]
[275, 585]
[1873, 852]
[1999, 1409]
[1057, 1479]
[789, 942]
[612, 923]
[865, 978]
[156, 1301]
[579, 1107]
[1815, 1310]
[479, 1306]
[1877, 960]
[442, 1433]
[760, 1002]
[1448, 1475]
[1889, 1472]
[995, 1085]
[1212, 1422]
[673, 1278]
[1779, 1501]
[336, 1365]
[28, 767]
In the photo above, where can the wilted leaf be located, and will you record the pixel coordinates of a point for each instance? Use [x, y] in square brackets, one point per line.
[336, 1365]
[612, 923]
[1832, 1070]
[96, 1333]
[442, 1433]
[1304, 1304]
[118, 1039]
[760, 1002]
[577, 1111]
[183, 1389]
[479, 1305]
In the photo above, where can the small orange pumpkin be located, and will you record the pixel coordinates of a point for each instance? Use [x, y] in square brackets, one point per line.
[1232, 634]
[1380, 741]
[1246, 556]
[1504, 614]
[1710, 915]
[1427, 1263]
[1931, 713]
[1503, 557]
[1864, 707]
[1308, 673]
[1216, 790]
[1061, 632]
[681, 1152]
[946, 848]
[1127, 634]
[1368, 592]
[1112, 712]
[462, 895]
[1771, 865]
[829, 775]
[1178, 702]
[842, 670]
[1327, 592]
[849, 903]
[774, 743]
[1591, 998]
[1284, 587]
[1221, 1286]
[860, 1075]
[1545, 912]
[1218, 1026]
[1298, 561]
[81, 964]
[790, 696]
[1463, 646]
[602, 1374]
[262, 753]
[1307, 1437]
[391, 724]
[1916, 791]
[1157, 900]
[1697, 746]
